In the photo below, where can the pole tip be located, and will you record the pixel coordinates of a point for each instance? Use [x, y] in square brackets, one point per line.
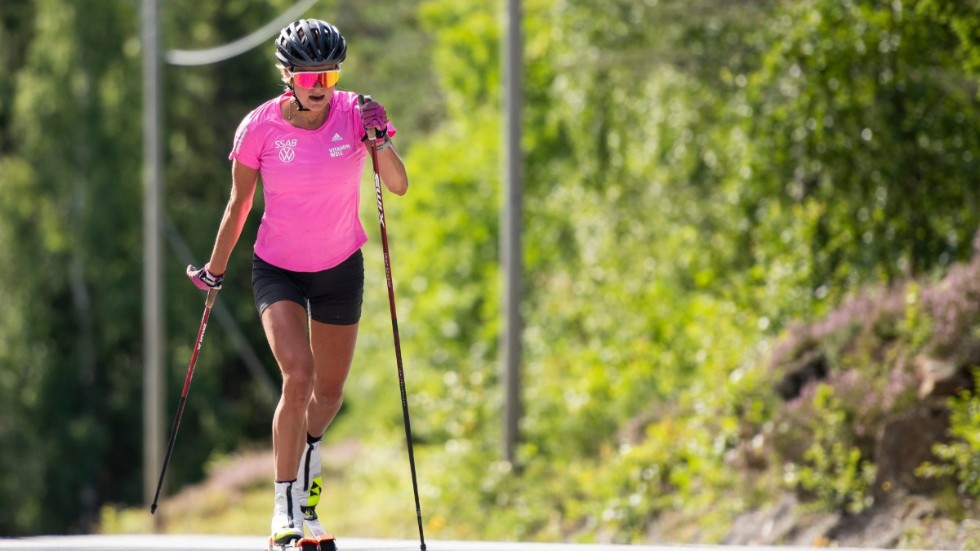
[153, 509]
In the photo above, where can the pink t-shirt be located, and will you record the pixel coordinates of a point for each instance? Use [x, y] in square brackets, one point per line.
[310, 182]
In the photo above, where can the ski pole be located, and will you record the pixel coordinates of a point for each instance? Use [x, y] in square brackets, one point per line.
[372, 134]
[208, 304]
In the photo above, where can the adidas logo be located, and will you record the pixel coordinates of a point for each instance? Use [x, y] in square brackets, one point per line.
[336, 138]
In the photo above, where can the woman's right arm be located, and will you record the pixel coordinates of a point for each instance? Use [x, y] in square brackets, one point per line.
[243, 182]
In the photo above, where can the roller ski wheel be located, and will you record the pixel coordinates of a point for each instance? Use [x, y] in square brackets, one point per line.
[293, 544]
[310, 544]
[302, 544]
[324, 540]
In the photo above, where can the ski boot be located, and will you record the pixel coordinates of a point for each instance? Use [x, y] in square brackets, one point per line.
[287, 521]
[309, 482]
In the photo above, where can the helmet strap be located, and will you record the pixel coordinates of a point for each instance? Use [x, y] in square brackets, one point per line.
[299, 105]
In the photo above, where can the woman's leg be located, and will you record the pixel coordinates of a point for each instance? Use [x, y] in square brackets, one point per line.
[285, 323]
[333, 352]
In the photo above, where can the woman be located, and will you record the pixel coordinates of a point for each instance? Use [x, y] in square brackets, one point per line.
[309, 145]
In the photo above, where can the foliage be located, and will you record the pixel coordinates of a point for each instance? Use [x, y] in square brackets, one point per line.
[849, 83]
[963, 18]
[71, 184]
[871, 344]
[960, 458]
[701, 179]
[835, 470]
[59, 174]
[715, 170]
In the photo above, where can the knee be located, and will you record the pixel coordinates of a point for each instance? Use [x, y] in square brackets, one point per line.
[329, 396]
[297, 383]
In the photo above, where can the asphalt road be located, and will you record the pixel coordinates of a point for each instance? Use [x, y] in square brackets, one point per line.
[250, 543]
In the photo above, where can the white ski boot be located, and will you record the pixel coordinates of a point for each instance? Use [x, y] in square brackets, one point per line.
[309, 484]
[287, 521]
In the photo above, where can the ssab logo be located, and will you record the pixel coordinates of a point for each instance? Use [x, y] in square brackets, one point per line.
[286, 151]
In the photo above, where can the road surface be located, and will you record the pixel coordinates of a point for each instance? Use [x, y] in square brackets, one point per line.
[256, 543]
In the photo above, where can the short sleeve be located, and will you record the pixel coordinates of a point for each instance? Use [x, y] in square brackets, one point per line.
[247, 148]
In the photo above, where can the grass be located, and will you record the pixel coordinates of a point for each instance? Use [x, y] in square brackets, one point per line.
[368, 493]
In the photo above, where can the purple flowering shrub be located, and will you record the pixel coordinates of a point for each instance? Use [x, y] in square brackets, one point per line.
[880, 353]
[954, 307]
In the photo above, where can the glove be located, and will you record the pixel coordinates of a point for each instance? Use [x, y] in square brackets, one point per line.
[203, 279]
[373, 115]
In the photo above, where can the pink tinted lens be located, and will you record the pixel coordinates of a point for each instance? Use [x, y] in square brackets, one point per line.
[309, 79]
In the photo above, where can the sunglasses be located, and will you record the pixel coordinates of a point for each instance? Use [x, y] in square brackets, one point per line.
[309, 79]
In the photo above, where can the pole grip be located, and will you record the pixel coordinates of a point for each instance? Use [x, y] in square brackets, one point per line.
[371, 133]
[209, 300]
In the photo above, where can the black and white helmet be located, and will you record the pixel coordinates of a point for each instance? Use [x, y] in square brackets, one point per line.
[310, 43]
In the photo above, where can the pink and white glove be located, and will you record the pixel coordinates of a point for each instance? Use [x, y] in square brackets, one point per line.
[203, 279]
[373, 115]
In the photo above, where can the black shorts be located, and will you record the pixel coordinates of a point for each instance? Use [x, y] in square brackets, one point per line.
[331, 296]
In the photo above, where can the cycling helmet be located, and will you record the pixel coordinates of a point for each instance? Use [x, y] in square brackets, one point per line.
[309, 43]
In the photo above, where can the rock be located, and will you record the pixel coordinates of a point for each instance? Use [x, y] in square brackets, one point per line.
[904, 443]
[882, 527]
[764, 527]
[812, 366]
[939, 378]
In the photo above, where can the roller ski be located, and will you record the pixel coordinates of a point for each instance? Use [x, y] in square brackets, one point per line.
[289, 544]
[324, 541]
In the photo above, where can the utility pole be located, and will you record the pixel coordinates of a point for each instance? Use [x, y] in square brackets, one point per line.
[153, 389]
[510, 238]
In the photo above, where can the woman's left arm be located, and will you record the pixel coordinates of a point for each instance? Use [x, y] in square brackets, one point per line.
[390, 165]
[392, 170]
